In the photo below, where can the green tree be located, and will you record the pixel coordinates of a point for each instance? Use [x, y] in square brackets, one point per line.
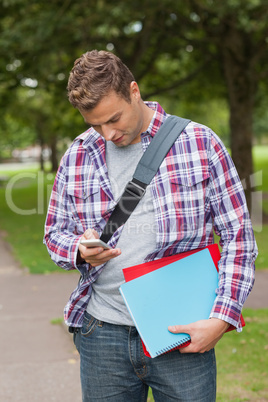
[236, 33]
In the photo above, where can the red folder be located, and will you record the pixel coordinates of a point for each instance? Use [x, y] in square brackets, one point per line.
[143, 269]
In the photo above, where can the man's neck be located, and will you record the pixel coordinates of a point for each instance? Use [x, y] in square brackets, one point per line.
[148, 115]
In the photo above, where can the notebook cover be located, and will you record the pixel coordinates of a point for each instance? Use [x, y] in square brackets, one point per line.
[181, 292]
[142, 269]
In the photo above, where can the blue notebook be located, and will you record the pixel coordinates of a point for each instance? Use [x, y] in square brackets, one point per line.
[179, 293]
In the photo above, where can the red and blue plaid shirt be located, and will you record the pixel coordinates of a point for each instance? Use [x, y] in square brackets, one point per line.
[196, 190]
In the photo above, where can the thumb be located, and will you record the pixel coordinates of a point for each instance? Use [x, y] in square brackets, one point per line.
[91, 234]
[178, 329]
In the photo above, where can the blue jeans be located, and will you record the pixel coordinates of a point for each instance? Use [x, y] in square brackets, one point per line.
[114, 368]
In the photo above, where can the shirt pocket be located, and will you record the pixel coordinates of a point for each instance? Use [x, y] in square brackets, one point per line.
[189, 202]
[84, 204]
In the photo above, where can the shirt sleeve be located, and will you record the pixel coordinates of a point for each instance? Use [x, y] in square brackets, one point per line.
[232, 223]
[61, 235]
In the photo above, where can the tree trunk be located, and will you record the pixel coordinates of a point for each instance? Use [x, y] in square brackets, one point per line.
[41, 143]
[241, 86]
[54, 156]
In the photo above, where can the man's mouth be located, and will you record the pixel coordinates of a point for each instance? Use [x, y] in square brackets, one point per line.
[119, 139]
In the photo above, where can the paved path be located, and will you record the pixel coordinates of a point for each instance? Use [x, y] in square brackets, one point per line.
[258, 298]
[38, 362]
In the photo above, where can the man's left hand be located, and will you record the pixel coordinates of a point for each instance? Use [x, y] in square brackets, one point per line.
[204, 334]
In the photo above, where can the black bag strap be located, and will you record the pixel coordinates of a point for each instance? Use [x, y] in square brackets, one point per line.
[144, 173]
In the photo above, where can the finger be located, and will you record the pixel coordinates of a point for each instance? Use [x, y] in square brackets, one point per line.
[107, 254]
[89, 253]
[177, 329]
[199, 346]
[196, 348]
[186, 349]
[91, 234]
[102, 257]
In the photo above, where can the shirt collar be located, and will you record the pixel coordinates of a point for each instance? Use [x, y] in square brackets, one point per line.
[157, 120]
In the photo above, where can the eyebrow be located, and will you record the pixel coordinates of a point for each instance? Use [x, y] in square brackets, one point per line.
[116, 115]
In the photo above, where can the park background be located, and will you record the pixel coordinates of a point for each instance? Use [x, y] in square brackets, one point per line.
[201, 59]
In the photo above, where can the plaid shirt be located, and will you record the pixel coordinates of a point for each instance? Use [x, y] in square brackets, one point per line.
[196, 190]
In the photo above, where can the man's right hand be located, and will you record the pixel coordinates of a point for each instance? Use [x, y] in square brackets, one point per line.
[95, 255]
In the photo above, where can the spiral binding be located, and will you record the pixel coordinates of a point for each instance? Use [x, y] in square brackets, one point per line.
[173, 346]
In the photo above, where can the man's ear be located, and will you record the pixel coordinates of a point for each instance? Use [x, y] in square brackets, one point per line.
[134, 91]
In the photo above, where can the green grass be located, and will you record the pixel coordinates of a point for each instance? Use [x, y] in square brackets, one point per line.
[57, 321]
[242, 360]
[262, 239]
[25, 232]
[260, 156]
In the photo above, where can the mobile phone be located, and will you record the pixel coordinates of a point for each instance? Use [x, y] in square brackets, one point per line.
[95, 243]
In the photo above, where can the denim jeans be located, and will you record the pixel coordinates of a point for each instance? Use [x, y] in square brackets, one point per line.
[114, 368]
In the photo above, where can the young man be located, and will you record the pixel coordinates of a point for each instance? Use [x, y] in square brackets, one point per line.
[196, 190]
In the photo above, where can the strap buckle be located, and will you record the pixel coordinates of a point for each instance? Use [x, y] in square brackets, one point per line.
[135, 190]
[73, 330]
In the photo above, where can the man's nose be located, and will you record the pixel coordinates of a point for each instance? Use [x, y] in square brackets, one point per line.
[107, 132]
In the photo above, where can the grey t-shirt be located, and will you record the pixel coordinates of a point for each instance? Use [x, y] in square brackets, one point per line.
[137, 239]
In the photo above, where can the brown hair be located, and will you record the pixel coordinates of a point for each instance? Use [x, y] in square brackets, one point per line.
[93, 75]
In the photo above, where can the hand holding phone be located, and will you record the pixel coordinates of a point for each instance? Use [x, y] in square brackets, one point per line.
[94, 251]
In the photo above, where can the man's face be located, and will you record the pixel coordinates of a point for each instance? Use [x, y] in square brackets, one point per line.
[117, 120]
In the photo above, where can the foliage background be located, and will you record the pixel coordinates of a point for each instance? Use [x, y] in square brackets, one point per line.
[202, 59]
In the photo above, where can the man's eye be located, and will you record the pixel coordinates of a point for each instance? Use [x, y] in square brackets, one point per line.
[115, 120]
